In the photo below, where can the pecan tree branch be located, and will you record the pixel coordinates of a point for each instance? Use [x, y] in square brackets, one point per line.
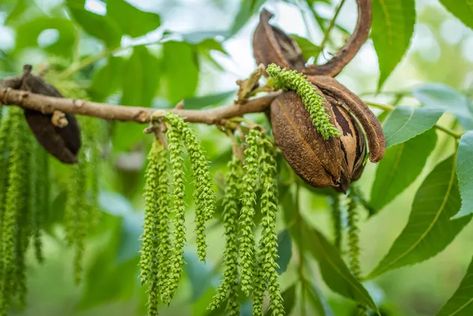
[352, 46]
[47, 104]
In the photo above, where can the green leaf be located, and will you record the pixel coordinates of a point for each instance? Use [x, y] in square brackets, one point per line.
[101, 27]
[284, 250]
[393, 26]
[132, 20]
[316, 300]
[247, 9]
[462, 9]
[461, 303]
[444, 98]
[400, 167]
[107, 80]
[140, 78]
[180, 71]
[334, 271]
[308, 48]
[208, 100]
[465, 173]
[429, 228]
[27, 35]
[406, 122]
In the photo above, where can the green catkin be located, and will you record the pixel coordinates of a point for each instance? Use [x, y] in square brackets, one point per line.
[259, 288]
[313, 102]
[246, 221]
[76, 212]
[228, 289]
[174, 136]
[81, 204]
[41, 187]
[353, 236]
[203, 194]
[163, 243]
[12, 281]
[268, 247]
[336, 219]
[155, 206]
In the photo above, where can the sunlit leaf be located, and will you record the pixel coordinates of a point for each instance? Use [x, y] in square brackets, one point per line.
[461, 303]
[463, 10]
[406, 122]
[400, 167]
[334, 271]
[140, 78]
[132, 20]
[443, 97]
[27, 35]
[393, 25]
[465, 173]
[180, 70]
[108, 79]
[429, 228]
[247, 9]
[101, 27]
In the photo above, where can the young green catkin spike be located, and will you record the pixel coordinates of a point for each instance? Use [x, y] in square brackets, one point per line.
[203, 194]
[268, 246]
[259, 288]
[156, 205]
[40, 171]
[76, 211]
[353, 236]
[248, 199]
[14, 242]
[313, 102]
[163, 243]
[336, 215]
[174, 136]
[228, 289]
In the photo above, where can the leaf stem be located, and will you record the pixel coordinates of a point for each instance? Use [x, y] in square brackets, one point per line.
[388, 107]
[331, 25]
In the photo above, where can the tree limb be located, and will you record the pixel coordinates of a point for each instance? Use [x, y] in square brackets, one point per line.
[47, 104]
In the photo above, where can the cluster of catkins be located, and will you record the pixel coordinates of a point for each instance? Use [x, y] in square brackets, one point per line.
[249, 268]
[25, 202]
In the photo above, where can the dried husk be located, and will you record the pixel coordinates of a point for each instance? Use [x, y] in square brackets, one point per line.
[336, 162]
[63, 142]
[272, 45]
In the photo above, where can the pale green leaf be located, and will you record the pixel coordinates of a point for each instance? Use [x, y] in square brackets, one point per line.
[400, 167]
[444, 98]
[393, 25]
[461, 303]
[308, 48]
[101, 27]
[462, 9]
[131, 20]
[465, 173]
[180, 71]
[429, 228]
[406, 122]
[140, 78]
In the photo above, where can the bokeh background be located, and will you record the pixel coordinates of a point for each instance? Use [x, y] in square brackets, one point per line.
[441, 52]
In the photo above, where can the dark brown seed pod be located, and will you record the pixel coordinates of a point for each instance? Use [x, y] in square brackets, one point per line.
[370, 124]
[272, 45]
[338, 161]
[61, 141]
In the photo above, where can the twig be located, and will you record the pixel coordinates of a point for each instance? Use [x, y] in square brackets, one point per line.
[331, 25]
[46, 104]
